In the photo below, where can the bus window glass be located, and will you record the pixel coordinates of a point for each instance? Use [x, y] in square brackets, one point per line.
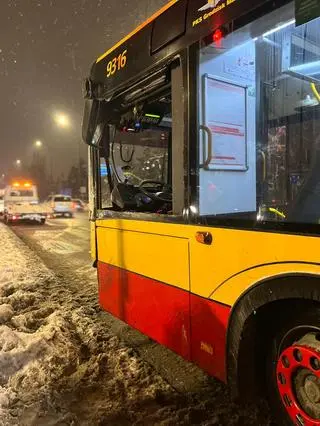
[259, 149]
[105, 193]
[141, 156]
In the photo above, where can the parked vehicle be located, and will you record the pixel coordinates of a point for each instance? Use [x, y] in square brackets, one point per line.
[21, 203]
[60, 205]
[78, 205]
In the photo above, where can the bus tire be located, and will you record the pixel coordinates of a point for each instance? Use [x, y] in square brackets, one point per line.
[43, 221]
[293, 370]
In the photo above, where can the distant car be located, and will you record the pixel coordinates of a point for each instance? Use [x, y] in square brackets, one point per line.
[78, 205]
[60, 205]
[1, 205]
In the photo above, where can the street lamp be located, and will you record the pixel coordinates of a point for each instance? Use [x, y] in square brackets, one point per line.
[62, 120]
[38, 144]
[18, 162]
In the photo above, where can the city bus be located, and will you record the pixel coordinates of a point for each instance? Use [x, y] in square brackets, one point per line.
[203, 130]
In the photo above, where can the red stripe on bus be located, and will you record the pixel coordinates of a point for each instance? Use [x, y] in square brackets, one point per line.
[157, 310]
[209, 323]
[163, 312]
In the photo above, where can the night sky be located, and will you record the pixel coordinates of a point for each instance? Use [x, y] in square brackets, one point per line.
[46, 50]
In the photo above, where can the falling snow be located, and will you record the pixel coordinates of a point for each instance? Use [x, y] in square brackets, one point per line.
[46, 53]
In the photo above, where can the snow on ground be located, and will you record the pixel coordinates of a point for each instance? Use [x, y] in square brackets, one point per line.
[50, 353]
[60, 364]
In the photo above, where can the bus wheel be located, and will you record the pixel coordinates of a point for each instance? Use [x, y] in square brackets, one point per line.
[43, 221]
[294, 380]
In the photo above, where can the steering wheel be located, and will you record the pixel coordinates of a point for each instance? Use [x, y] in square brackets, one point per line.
[166, 197]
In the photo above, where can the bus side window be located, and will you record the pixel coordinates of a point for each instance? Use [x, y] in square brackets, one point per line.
[105, 193]
[227, 146]
[259, 116]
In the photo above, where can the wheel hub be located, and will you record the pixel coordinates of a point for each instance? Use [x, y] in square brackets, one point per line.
[298, 378]
[306, 386]
[312, 389]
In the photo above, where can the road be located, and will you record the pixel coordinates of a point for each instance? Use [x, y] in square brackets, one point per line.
[60, 237]
[63, 245]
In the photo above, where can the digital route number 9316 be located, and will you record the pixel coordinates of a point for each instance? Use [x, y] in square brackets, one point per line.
[116, 64]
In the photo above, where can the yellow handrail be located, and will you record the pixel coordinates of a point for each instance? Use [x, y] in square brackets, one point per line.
[278, 212]
[315, 91]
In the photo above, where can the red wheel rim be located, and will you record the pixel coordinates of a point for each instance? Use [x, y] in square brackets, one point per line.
[293, 361]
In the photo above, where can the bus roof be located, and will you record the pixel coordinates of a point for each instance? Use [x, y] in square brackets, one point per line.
[137, 29]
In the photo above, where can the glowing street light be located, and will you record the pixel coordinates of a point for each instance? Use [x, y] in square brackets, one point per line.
[18, 162]
[38, 144]
[62, 120]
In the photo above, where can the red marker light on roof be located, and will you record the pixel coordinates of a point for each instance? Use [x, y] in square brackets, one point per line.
[217, 35]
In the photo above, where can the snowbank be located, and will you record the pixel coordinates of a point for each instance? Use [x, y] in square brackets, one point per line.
[57, 364]
[25, 334]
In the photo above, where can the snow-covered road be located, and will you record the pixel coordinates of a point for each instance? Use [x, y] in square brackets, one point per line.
[64, 362]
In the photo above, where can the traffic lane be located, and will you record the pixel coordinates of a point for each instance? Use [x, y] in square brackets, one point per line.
[57, 229]
[80, 220]
[60, 242]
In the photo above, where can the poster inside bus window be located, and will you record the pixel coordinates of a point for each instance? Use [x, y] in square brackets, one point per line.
[225, 114]
[306, 10]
